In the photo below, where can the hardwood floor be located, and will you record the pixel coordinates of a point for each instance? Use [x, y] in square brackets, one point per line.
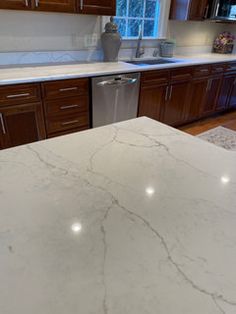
[227, 120]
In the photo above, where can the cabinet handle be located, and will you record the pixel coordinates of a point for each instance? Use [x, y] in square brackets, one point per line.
[171, 90]
[81, 4]
[206, 12]
[2, 124]
[37, 3]
[67, 89]
[18, 95]
[209, 85]
[68, 107]
[26, 3]
[167, 93]
[70, 122]
[235, 81]
[217, 9]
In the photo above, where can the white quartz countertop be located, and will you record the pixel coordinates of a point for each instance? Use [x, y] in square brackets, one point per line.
[40, 73]
[131, 218]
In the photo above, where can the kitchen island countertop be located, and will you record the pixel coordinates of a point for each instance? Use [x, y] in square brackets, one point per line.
[134, 218]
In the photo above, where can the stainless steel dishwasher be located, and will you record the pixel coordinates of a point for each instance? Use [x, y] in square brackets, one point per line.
[115, 98]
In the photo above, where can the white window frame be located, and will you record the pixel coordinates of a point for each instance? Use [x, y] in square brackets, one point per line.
[162, 23]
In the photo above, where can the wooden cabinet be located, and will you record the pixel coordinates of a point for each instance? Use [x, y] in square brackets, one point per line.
[164, 95]
[21, 116]
[15, 4]
[98, 7]
[189, 9]
[153, 93]
[197, 99]
[66, 106]
[212, 94]
[54, 5]
[175, 106]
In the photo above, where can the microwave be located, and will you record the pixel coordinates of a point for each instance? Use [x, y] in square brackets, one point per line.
[223, 10]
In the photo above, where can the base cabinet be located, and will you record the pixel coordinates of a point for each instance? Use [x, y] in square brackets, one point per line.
[21, 124]
[97, 7]
[176, 103]
[212, 95]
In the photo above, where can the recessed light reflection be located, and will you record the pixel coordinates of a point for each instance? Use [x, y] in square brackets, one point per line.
[150, 191]
[76, 227]
[225, 179]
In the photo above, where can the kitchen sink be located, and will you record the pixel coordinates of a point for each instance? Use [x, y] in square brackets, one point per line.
[151, 62]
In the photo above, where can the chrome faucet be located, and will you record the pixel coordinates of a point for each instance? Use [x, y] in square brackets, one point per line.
[139, 50]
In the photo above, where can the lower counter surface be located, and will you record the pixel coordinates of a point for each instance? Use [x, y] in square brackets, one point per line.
[131, 218]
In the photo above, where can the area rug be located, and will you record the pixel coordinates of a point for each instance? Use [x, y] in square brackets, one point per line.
[220, 136]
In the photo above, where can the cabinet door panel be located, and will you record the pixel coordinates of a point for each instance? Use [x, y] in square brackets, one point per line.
[55, 5]
[174, 110]
[15, 4]
[197, 99]
[232, 98]
[98, 7]
[197, 9]
[225, 92]
[21, 124]
[152, 101]
[212, 95]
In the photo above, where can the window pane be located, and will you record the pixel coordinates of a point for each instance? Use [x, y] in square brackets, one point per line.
[121, 6]
[149, 27]
[133, 28]
[121, 23]
[136, 8]
[150, 8]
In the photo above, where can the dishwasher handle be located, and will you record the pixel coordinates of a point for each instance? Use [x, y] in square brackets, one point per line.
[118, 81]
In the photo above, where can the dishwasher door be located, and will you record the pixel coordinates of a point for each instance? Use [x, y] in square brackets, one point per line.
[115, 98]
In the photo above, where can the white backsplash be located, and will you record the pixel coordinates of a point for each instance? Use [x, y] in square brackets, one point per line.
[29, 37]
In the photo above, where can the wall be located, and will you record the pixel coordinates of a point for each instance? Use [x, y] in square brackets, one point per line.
[30, 31]
[34, 31]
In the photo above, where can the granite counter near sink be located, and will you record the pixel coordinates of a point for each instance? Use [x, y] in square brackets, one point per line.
[49, 72]
[134, 218]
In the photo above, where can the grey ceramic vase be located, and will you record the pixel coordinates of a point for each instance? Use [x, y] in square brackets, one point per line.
[111, 42]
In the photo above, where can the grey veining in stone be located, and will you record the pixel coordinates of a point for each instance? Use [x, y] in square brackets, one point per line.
[135, 217]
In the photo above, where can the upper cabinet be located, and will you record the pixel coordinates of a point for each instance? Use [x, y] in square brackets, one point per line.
[196, 10]
[98, 7]
[15, 4]
[54, 5]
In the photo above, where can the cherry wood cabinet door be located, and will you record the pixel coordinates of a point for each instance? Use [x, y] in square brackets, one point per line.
[197, 98]
[232, 96]
[227, 87]
[21, 124]
[152, 101]
[198, 9]
[212, 95]
[98, 7]
[15, 4]
[54, 5]
[175, 107]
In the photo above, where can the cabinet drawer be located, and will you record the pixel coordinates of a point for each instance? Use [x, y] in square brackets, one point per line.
[63, 123]
[218, 68]
[152, 78]
[231, 67]
[65, 106]
[203, 70]
[181, 74]
[18, 94]
[65, 88]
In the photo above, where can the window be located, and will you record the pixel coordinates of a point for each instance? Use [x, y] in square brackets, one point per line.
[133, 15]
